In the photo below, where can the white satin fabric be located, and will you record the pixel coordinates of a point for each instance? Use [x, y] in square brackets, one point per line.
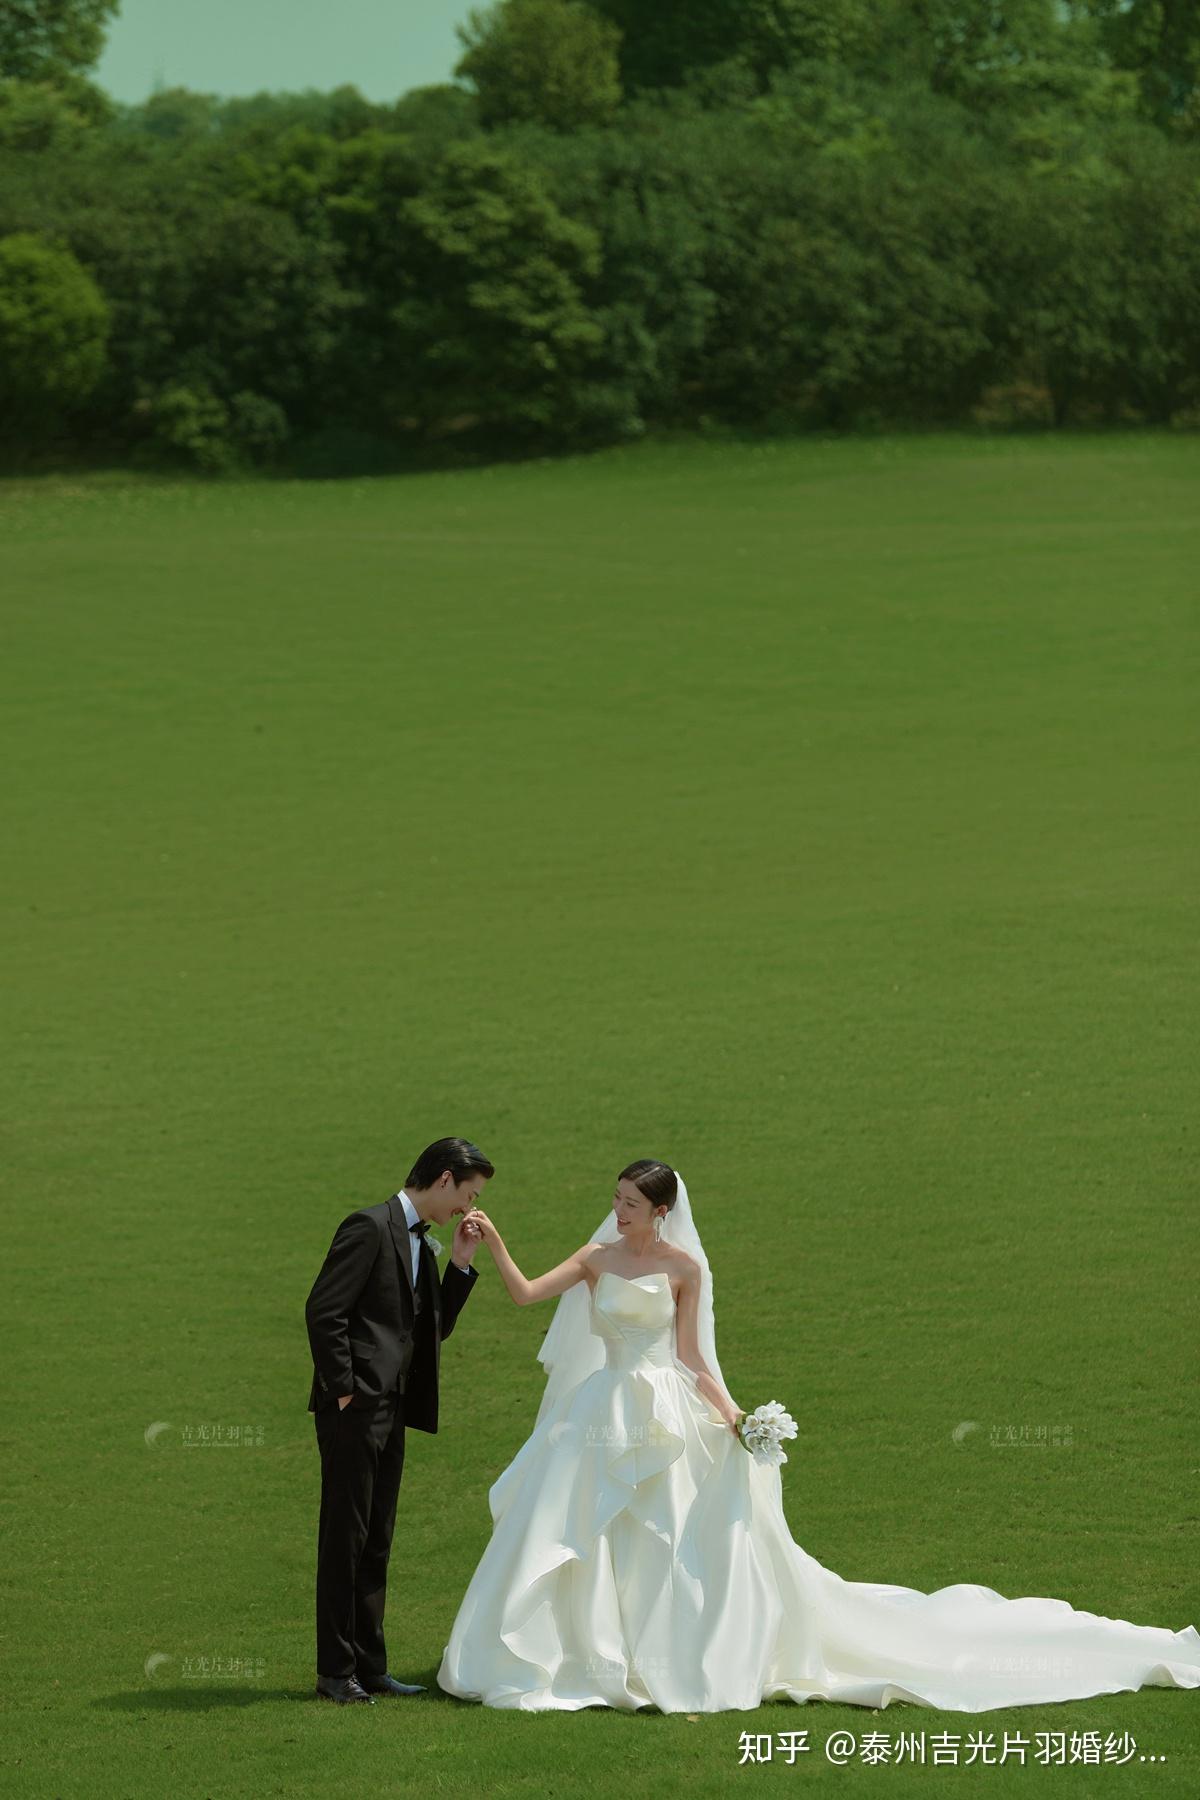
[639, 1556]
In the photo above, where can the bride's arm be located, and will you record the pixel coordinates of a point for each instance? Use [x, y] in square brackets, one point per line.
[542, 1287]
[687, 1345]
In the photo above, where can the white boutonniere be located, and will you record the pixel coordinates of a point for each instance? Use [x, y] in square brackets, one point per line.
[762, 1433]
[432, 1244]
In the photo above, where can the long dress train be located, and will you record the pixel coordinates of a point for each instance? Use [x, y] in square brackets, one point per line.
[639, 1556]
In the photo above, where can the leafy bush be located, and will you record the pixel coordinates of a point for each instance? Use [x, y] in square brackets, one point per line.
[194, 428]
[54, 324]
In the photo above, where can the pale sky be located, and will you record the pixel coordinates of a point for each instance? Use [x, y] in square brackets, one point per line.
[238, 47]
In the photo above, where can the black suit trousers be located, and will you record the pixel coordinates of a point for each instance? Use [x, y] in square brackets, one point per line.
[362, 1460]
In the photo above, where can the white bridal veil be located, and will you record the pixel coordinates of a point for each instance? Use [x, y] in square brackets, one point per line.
[571, 1350]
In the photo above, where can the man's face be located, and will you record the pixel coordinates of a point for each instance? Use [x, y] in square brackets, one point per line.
[459, 1197]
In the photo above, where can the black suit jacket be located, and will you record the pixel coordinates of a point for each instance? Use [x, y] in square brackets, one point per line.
[362, 1320]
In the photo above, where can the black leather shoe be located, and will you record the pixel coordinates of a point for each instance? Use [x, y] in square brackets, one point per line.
[387, 1684]
[344, 1688]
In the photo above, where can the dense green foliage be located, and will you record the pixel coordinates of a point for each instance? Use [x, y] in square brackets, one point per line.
[53, 324]
[51, 39]
[553, 60]
[775, 215]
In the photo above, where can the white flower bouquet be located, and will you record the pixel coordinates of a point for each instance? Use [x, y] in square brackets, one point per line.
[762, 1432]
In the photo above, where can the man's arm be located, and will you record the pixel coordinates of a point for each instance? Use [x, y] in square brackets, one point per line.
[343, 1276]
[457, 1283]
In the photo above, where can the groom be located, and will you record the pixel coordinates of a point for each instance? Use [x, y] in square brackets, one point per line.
[376, 1317]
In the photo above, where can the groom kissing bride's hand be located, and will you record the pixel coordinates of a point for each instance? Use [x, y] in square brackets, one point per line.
[476, 1228]
[468, 1235]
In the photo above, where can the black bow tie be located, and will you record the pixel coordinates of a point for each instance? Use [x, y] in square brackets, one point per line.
[422, 1226]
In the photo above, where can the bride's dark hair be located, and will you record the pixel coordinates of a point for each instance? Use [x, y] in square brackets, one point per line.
[654, 1179]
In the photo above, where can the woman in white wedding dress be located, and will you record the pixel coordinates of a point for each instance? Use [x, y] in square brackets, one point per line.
[640, 1556]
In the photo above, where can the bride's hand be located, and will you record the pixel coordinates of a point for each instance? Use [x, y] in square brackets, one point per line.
[484, 1229]
[731, 1419]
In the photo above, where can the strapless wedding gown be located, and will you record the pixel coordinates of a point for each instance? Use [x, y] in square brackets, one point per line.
[641, 1557]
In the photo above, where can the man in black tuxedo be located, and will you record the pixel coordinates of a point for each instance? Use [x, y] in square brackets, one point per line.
[376, 1318]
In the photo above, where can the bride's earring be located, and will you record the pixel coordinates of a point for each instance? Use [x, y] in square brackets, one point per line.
[658, 1229]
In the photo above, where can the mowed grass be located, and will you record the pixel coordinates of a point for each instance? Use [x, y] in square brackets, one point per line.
[820, 817]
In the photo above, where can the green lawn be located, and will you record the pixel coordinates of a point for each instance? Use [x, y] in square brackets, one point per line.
[819, 816]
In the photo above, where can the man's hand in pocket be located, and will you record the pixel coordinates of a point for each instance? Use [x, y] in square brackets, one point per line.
[344, 1401]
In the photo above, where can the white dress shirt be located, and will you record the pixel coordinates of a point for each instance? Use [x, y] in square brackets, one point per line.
[417, 1246]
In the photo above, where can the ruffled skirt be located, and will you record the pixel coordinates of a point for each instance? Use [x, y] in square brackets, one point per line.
[640, 1557]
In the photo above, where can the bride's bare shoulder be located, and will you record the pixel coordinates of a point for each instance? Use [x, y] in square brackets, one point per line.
[594, 1257]
[684, 1266]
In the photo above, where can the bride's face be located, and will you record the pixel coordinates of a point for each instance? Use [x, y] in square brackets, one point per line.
[635, 1213]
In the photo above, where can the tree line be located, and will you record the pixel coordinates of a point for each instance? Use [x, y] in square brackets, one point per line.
[765, 214]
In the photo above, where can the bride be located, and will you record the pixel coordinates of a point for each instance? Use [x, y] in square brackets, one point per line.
[640, 1555]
